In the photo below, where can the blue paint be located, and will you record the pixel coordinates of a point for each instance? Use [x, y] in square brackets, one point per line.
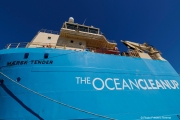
[58, 81]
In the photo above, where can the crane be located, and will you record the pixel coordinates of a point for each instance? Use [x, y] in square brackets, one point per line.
[144, 48]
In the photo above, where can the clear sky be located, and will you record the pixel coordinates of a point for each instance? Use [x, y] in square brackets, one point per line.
[156, 22]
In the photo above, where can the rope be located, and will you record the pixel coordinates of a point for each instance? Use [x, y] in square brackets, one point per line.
[58, 102]
[72, 107]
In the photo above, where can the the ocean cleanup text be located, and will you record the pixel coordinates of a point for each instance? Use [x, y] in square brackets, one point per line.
[127, 84]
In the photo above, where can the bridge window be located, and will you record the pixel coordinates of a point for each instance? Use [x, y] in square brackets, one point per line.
[91, 30]
[71, 26]
[84, 29]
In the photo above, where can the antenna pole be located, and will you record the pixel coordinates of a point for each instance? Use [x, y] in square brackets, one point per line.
[84, 21]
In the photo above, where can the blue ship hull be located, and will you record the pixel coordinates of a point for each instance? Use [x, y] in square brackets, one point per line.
[81, 85]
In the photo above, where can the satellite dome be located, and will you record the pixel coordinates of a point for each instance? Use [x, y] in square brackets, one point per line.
[71, 19]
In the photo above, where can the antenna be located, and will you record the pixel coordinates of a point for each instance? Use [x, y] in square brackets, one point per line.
[84, 21]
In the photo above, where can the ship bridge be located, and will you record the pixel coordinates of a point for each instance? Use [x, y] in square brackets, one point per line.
[74, 36]
[79, 37]
[89, 34]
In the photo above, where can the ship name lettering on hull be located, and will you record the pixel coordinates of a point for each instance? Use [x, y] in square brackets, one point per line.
[127, 84]
[29, 62]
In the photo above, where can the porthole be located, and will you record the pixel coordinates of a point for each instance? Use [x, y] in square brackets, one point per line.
[46, 55]
[72, 41]
[26, 55]
[18, 79]
[80, 43]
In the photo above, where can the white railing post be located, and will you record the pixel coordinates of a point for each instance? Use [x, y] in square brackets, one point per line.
[18, 45]
[8, 46]
[27, 45]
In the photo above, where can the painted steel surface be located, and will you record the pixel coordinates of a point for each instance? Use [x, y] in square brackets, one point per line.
[97, 83]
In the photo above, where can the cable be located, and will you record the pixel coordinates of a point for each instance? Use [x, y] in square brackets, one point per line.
[58, 102]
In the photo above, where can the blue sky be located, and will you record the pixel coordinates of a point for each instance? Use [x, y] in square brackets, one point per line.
[156, 22]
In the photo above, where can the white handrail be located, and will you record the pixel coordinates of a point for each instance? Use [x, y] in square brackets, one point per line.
[8, 46]
[18, 45]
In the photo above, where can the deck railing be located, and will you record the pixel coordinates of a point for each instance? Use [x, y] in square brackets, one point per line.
[45, 45]
[54, 46]
[17, 45]
[36, 45]
[49, 31]
[112, 41]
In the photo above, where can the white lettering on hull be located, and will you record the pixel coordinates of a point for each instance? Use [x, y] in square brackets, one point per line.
[117, 84]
